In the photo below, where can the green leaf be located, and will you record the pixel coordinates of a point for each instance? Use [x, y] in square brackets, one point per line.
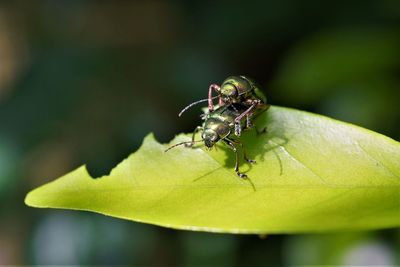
[312, 174]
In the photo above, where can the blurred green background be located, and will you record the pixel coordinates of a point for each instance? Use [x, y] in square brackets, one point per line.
[85, 81]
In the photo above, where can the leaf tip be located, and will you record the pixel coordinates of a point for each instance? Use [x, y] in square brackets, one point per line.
[32, 199]
[28, 199]
[41, 196]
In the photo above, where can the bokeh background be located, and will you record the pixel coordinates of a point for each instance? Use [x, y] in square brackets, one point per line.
[82, 82]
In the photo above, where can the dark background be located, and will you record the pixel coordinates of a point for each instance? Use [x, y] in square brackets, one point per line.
[85, 81]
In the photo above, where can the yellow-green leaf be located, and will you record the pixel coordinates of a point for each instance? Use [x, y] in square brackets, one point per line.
[312, 174]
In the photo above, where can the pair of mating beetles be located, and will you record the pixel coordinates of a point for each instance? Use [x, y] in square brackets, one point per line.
[239, 101]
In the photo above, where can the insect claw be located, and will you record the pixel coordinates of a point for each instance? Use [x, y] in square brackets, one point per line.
[241, 175]
[252, 161]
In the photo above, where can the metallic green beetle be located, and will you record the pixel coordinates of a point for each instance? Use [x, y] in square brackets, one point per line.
[219, 125]
[236, 90]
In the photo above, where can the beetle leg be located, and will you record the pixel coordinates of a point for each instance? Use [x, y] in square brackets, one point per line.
[220, 102]
[232, 106]
[243, 149]
[248, 121]
[233, 147]
[216, 88]
[245, 113]
[198, 128]
[237, 129]
[245, 155]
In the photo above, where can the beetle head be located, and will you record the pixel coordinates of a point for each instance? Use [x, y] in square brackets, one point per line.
[228, 91]
[210, 137]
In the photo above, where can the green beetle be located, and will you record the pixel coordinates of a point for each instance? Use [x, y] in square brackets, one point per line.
[236, 90]
[220, 125]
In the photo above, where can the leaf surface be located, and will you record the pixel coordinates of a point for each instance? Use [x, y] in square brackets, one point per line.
[312, 174]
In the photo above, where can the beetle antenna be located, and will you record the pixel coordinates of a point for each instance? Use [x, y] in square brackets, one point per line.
[183, 143]
[194, 103]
